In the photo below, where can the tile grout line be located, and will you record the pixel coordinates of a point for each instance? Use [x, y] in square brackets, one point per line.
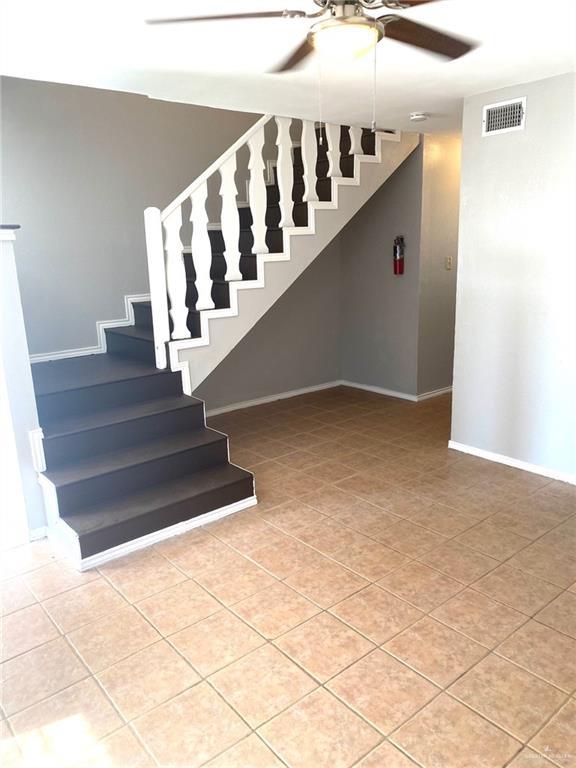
[273, 643]
[469, 586]
[358, 714]
[523, 741]
[488, 650]
[536, 749]
[416, 558]
[370, 582]
[266, 642]
[378, 647]
[528, 618]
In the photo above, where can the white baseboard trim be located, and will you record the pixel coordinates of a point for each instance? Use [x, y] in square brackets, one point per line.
[45, 357]
[499, 458]
[326, 385]
[84, 564]
[35, 534]
[101, 326]
[394, 393]
[271, 398]
[379, 390]
[434, 393]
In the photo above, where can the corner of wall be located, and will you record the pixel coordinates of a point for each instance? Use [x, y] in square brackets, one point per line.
[379, 311]
[438, 251]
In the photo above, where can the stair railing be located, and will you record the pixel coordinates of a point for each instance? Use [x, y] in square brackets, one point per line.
[164, 246]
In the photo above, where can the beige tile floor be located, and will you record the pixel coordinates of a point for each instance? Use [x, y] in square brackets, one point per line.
[388, 604]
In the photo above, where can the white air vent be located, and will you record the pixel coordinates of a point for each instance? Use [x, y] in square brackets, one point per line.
[503, 117]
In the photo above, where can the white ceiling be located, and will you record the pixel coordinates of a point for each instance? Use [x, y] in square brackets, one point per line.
[105, 44]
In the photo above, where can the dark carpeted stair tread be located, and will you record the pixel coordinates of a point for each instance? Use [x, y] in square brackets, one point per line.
[113, 461]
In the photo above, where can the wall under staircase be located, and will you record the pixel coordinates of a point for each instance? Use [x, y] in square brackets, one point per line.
[295, 345]
[348, 317]
[206, 301]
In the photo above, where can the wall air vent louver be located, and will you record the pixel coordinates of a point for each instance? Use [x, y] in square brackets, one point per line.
[503, 117]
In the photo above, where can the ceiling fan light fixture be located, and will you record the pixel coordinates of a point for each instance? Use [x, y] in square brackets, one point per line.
[351, 36]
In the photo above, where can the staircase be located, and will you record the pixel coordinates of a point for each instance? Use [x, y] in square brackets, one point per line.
[206, 297]
[127, 457]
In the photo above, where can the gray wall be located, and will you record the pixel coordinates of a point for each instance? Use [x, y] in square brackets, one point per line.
[379, 312]
[296, 344]
[438, 242]
[348, 317]
[79, 167]
[515, 364]
[397, 332]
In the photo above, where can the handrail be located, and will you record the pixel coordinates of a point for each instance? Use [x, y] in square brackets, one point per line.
[170, 270]
[177, 202]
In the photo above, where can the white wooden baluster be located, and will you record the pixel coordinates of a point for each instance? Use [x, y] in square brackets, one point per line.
[355, 140]
[201, 247]
[309, 150]
[333, 136]
[157, 279]
[257, 191]
[176, 275]
[230, 219]
[285, 170]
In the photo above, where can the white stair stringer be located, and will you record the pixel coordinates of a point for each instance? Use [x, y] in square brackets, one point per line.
[223, 329]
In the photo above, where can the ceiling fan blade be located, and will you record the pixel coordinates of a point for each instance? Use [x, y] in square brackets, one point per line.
[297, 55]
[228, 17]
[406, 31]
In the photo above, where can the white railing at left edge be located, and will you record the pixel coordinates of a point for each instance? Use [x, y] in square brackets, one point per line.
[21, 501]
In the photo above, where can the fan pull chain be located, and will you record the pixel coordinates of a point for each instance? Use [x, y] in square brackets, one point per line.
[374, 71]
[320, 105]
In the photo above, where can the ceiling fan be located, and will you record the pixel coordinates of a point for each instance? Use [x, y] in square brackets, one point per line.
[346, 26]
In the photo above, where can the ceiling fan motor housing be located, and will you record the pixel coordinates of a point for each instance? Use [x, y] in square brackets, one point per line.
[347, 7]
[341, 8]
[350, 7]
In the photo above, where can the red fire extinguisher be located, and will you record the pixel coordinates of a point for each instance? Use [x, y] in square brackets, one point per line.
[399, 247]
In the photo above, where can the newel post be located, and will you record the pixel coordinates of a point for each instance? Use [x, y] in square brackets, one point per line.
[21, 497]
[157, 279]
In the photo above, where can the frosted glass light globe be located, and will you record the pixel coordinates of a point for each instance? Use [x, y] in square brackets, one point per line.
[351, 37]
